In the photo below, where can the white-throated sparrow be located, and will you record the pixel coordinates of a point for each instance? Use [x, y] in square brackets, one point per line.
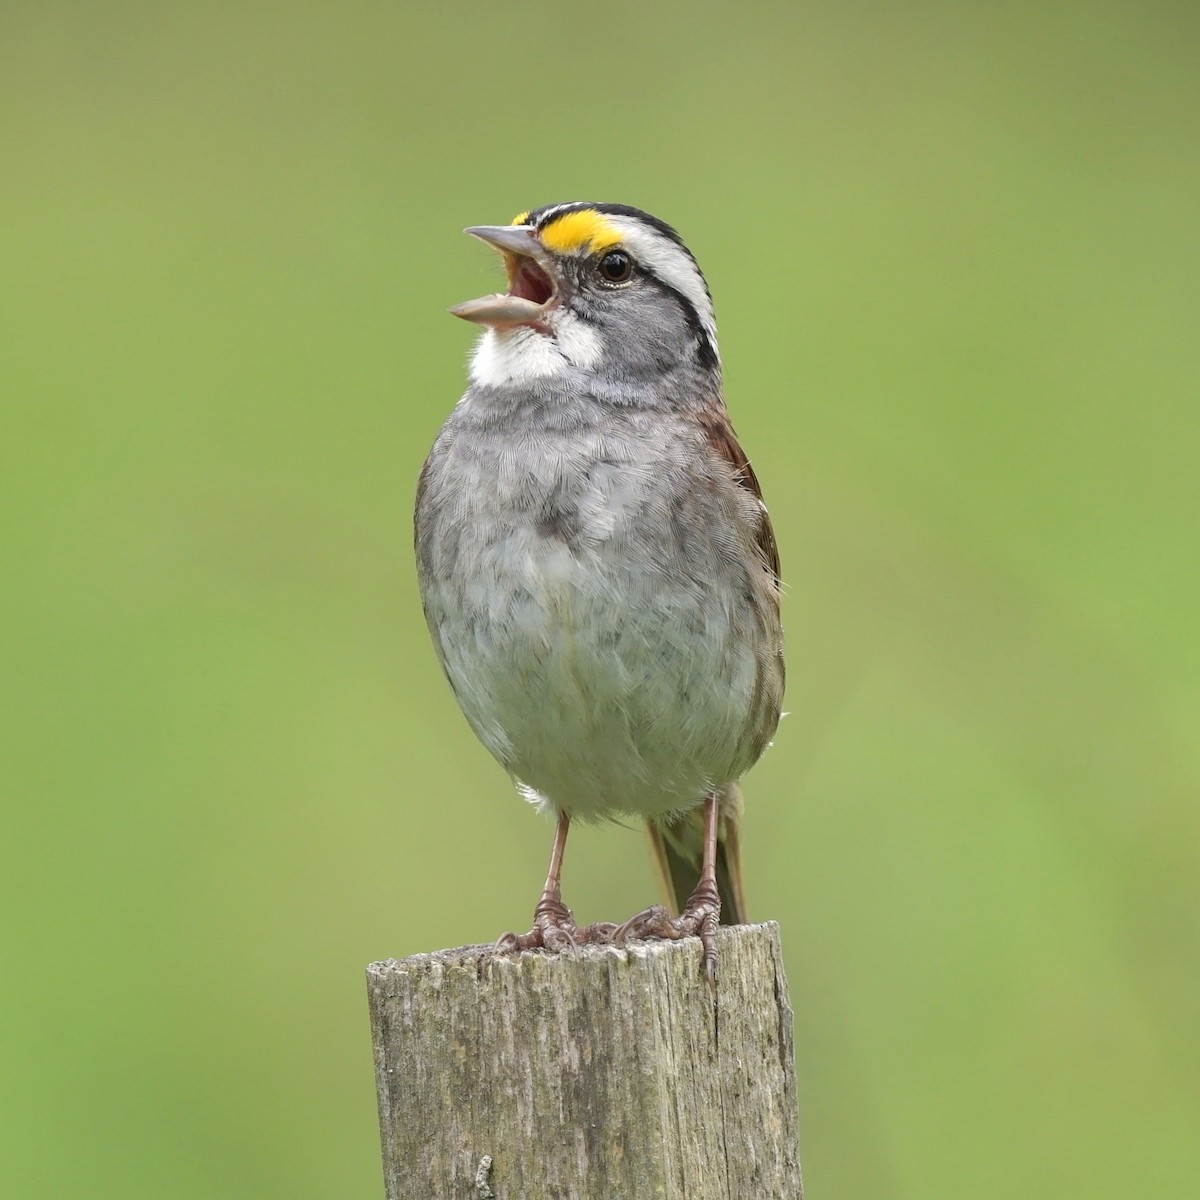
[596, 563]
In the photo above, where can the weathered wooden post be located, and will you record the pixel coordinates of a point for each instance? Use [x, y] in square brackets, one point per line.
[601, 1075]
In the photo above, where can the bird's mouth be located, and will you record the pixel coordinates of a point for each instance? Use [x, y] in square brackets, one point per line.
[527, 281]
[531, 289]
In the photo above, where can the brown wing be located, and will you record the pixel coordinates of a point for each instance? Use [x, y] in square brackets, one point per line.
[719, 432]
[676, 842]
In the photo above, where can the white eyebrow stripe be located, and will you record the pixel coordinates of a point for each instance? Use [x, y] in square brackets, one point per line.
[672, 264]
[546, 215]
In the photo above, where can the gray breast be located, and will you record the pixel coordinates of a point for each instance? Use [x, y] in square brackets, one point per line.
[589, 597]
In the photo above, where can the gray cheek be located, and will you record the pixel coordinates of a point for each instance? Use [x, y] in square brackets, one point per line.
[643, 331]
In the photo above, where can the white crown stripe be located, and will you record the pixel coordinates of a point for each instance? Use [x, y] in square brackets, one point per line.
[546, 215]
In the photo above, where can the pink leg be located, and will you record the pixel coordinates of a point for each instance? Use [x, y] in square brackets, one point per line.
[554, 926]
[702, 912]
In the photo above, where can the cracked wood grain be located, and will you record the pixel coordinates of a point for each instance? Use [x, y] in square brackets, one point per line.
[615, 1074]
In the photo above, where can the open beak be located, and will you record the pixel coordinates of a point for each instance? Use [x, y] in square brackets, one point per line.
[531, 290]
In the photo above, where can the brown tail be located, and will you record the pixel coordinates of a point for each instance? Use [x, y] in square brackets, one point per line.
[677, 847]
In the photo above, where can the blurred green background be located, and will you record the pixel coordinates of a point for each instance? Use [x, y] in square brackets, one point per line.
[955, 254]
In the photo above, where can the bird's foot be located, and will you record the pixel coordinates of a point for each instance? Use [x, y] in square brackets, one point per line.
[554, 929]
[700, 918]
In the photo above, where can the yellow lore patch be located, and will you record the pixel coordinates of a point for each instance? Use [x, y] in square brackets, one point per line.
[520, 218]
[574, 230]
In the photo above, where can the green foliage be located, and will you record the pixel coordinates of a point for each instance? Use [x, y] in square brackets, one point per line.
[954, 254]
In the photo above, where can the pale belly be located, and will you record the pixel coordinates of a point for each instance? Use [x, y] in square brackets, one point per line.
[606, 679]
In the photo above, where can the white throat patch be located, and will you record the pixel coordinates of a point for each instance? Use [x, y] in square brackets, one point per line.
[521, 355]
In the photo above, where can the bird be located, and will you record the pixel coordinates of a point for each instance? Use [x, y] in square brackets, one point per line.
[596, 564]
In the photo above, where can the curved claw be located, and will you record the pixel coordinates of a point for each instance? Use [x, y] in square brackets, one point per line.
[651, 922]
[514, 943]
[508, 943]
[708, 943]
[599, 933]
[554, 929]
[699, 919]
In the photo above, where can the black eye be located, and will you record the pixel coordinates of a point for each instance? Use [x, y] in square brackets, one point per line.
[616, 266]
